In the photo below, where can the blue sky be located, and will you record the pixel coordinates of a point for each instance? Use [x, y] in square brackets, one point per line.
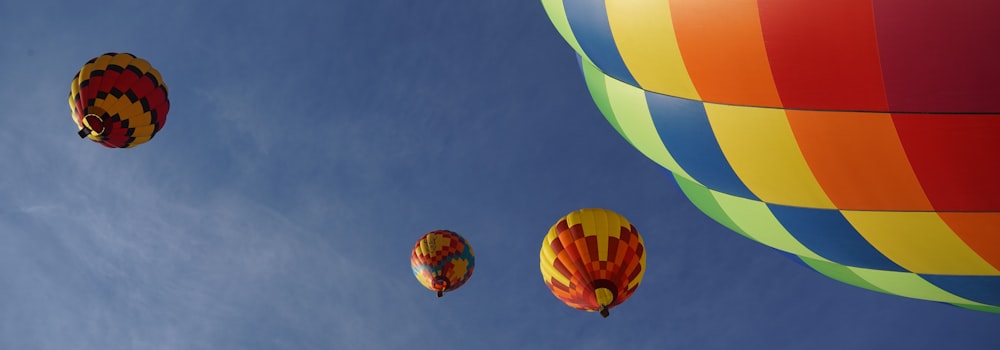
[311, 143]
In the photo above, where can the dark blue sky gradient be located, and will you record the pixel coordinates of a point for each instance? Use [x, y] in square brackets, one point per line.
[311, 143]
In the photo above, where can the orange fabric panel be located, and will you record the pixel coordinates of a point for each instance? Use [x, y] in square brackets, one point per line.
[723, 48]
[981, 231]
[858, 160]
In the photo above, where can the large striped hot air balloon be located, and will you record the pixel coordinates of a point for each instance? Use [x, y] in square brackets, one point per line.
[442, 261]
[118, 100]
[592, 260]
[862, 137]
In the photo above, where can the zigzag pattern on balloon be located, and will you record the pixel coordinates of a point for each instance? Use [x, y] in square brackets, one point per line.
[442, 254]
[588, 250]
[858, 137]
[118, 100]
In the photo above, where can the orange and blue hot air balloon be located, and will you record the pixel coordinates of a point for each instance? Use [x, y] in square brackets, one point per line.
[592, 260]
[860, 137]
[442, 261]
[118, 100]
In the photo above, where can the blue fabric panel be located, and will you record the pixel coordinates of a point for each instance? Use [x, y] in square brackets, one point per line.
[589, 21]
[983, 289]
[827, 233]
[684, 129]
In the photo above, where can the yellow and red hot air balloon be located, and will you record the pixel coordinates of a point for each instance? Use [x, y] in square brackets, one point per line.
[442, 261]
[593, 260]
[118, 100]
[860, 137]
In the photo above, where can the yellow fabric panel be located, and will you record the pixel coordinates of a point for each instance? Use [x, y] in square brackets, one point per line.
[628, 103]
[79, 125]
[74, 91]
[604, 296]
[644, 34]
[99, 64]
[460, 267]
[597, 222]
[550, 273]
[642, 263]
[107, 103]
[143, 130]
[548, 260]
[442, 241]
[121, 60]
[431, 244]
[426, 282]
[756, 220]
[593, 225]
[424, 249]
[760, 146]
[145, 67]
[609, 225]
[547, 242]
[139, 139]
[124, 108]
[81, 76]
[602, 247]
[131, 112]
[75, 112]
[908, 285]
[920, 242]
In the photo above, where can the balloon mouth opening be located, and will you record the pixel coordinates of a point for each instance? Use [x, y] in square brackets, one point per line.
[604, 292]
[92, 123]
[440, 285]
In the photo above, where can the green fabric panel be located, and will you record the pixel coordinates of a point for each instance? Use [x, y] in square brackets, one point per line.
[598, 91]
[557, 15]
[628, 104]
[985, 308]
[757, 221]
[909, 285]
[840, 273]
[702, 198]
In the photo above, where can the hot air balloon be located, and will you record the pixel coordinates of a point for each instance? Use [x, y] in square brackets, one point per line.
[118, 100]
[593, 260]
[442, 261]
[861, 137]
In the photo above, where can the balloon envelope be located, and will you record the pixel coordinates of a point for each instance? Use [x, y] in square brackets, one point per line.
[862, 137]
[442, 261]
[118, 100]
[592, 259]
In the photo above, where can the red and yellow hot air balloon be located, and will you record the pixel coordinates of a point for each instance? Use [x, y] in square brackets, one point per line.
[593, 259]
[442, 261]
[860, 137]
[118, 100]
